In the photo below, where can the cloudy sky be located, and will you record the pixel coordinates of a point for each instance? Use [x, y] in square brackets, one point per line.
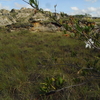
[68, 6]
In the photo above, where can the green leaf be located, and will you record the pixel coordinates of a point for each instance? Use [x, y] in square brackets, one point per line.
[34, 3]
[61, 80]
[78, 28]
[64, 31]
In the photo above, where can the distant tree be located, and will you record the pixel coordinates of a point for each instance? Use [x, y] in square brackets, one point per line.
[87, 15]
[79, 16]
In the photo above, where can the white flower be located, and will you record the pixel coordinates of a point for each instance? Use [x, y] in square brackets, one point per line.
[89, 43]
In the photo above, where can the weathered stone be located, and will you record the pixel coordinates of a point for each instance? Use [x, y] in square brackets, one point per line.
[5, 21]
[4, 12]
[38, 17]
[27, 18]
[14, 11]
[22, 15]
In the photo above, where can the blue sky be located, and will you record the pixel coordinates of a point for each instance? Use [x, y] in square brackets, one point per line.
[71, 7]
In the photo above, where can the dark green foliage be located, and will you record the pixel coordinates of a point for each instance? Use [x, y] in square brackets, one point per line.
[34, 4]
[51, 84]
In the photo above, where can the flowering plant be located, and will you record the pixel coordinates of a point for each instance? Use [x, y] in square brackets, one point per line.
[89, 43]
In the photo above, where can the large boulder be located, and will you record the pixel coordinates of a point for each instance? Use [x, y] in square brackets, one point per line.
[6, 20]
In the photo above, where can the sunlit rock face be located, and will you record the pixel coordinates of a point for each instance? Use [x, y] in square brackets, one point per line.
[27, 18]
[10, 17]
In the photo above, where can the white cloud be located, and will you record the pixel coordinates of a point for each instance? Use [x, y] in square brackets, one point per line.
[74, 8]
[4, 7]
[46, 9]
[90, 10]
[18, 5]
[21, 5]
[27, 6]
[91, 0]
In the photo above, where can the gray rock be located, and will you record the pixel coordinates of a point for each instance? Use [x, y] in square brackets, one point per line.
[14, 11]
[28, 18]
[6, 21]
[4, 12]
[38, 17]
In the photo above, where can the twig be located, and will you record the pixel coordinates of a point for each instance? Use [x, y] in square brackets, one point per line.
[62, 89]
[88, 38]
[26, 2]
[30, 4]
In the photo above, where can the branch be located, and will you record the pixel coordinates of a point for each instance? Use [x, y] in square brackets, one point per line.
[26, 2]
[86, 36]
[29, 4]
[62, 89]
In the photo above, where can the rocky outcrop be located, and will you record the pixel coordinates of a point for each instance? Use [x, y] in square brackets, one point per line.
[10, 17]
[31, 19]
[27, 18]
[6, 18]
[41, 26]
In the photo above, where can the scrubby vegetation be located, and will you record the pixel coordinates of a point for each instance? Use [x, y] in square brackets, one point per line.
[51, 65]
[33, 66]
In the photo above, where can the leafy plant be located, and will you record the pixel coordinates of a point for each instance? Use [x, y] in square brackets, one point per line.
[33, 3]
[51, 84]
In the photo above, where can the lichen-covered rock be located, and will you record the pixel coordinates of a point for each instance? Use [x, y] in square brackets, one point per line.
[38, 17]
[9, 17]
[4, 12]
[28, 18]
[6, 20]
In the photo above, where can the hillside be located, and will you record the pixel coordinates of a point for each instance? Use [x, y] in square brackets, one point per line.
[33, 63]
[39, 62]
[27, 18]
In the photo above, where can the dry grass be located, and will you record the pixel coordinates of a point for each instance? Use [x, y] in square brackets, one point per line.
[27, 58]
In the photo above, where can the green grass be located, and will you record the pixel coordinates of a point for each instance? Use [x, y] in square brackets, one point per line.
[27, 58]
[97, 21]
